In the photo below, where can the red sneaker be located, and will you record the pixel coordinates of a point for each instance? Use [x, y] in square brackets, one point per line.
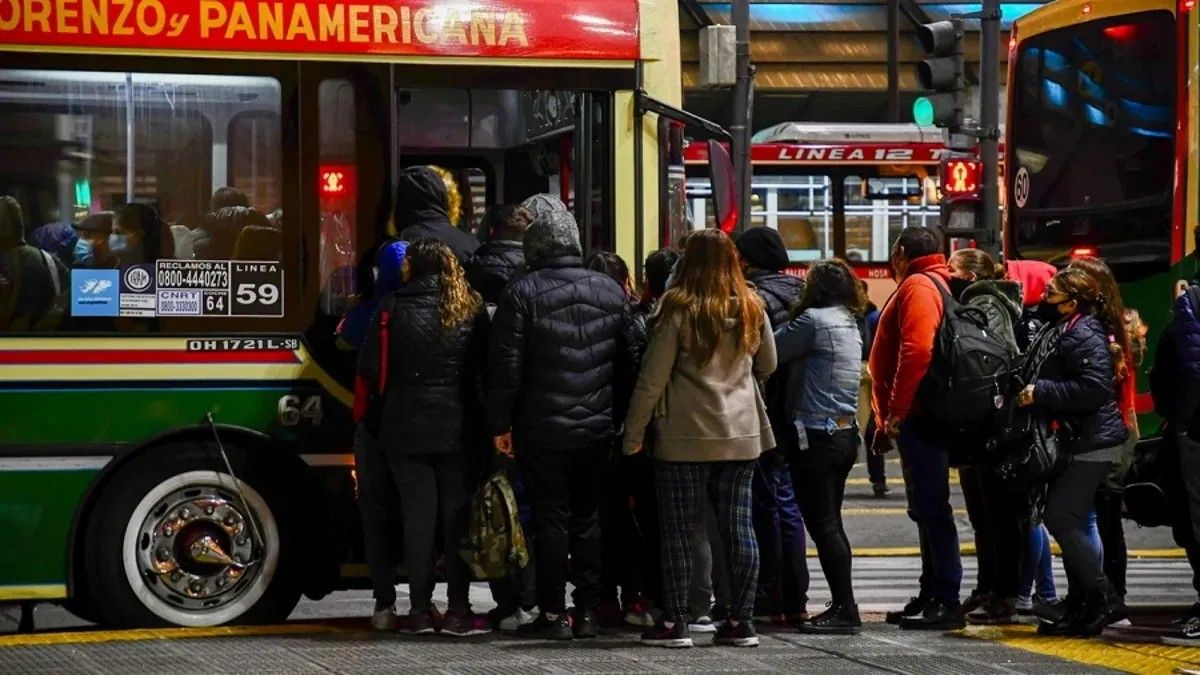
[639, 613]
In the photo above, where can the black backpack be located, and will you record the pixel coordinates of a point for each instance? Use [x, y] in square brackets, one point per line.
[970, 376]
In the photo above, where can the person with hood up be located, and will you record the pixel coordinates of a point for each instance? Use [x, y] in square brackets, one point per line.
[423, 210]
[783, 578]
[33, 283]
[380, 276]
[502, 256]
[423, 357]
[555, 370]
[994, 509]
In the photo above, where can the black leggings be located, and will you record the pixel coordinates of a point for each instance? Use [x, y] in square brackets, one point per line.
[995, 514]
[1070, 501]
[819, 474]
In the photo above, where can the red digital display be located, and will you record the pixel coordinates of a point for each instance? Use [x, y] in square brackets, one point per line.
[336, 181]
[961, 178]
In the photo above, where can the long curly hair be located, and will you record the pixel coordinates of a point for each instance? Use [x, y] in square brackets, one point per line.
[709, 290]
[1086, 288]
[1100, 271]
[830, 283]
[459, 303]
[453, 194]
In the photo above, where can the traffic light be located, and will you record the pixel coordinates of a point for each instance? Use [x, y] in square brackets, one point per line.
[943, 74]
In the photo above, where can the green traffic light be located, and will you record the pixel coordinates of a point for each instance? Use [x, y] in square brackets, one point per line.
[923, 112]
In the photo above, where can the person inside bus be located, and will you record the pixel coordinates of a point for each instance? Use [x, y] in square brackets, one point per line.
[57, 239]
[258, 242]
[1079, 369]
[137, 235]
[91, 249]
[423, 209]
[501, 257]
[782, 593]
[555, 372]
[33, 283]
[427, 360]
[821, 348]
[625, 544]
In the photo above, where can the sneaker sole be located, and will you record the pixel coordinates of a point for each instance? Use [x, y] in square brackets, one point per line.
[423, 631]
[702, 628]
[677, 643]
[739, 642]
[933, 627]
[469, 633]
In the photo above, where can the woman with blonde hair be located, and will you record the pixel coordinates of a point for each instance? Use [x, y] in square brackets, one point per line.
[421, 360]
[710, 350]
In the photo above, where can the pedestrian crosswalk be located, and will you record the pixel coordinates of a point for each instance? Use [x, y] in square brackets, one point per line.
[881, 584]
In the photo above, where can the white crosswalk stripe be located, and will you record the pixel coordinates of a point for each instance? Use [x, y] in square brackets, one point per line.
[884, 583]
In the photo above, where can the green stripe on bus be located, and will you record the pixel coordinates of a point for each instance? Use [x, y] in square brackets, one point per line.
[35, 521]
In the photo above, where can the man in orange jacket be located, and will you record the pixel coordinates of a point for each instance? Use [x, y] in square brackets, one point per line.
[900, 358]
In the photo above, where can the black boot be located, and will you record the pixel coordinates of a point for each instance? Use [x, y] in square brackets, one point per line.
[836, 620]
[1067, 624]
[1104, 606]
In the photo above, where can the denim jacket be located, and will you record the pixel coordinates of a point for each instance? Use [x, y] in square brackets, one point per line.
[822, 351]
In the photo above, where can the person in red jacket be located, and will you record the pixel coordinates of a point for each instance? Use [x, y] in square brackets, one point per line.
[900, 357]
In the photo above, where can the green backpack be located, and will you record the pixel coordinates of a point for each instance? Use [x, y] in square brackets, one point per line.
[494, 546]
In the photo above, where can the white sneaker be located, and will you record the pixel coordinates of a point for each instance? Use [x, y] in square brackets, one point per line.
[517, 619]
[1123, 623]
[703, 624]
[385, 619]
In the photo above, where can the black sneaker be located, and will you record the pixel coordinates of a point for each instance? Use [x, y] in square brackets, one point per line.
[740, 635]
[996, 612]
[915, 607]
[939, 615]
[975, 601]
[1192, 615]
[837, 620]
[585, 624]
[676, 636]
[880, 489]
[545, 628]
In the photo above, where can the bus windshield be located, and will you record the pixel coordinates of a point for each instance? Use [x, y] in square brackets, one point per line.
[1092, 138]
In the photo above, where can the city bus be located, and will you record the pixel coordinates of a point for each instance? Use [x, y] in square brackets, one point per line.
[1101, 141]
[176, 445]
[841, 190]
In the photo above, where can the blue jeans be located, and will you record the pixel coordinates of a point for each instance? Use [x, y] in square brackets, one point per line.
[1038, 562]
[1093, 531]
[927, 486]
[783, 575]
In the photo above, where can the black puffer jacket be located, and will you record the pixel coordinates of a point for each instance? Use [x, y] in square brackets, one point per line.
[421, 212]
[556, 361]
[432, 384]
[1076, 385]
[495, 265]
[779, 292]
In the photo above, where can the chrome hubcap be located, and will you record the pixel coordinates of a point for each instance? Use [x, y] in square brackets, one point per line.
[196, 550]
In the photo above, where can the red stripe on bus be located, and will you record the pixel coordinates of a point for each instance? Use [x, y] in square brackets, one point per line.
[50, 357]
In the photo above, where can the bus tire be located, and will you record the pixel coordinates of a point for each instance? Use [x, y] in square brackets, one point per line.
[172, 544]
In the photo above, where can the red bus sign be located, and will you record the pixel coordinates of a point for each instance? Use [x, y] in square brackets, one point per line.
[580, 29]
[840, 153]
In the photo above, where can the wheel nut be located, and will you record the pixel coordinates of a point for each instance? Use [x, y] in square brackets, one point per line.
[230, 519]
[208, 510]
[168, 531]
[163, 554]
[197, 587]
[220, 582]
[241, 541]
[185, 514]
[176, 576]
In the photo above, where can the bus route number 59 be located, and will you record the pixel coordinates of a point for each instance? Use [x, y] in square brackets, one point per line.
[257, 289]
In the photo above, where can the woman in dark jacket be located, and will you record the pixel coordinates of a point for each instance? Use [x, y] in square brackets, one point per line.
[994, 509]
[422, 354]
[1075, 386]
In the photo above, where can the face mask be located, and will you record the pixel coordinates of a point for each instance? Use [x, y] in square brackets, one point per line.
[85, 253]
[118, 243]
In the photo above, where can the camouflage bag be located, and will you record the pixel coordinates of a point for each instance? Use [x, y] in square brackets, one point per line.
[494, 546]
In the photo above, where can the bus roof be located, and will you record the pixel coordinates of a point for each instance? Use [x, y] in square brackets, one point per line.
[1068, 12]
[591, 30]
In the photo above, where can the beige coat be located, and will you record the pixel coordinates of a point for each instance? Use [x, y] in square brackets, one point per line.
[709, 413]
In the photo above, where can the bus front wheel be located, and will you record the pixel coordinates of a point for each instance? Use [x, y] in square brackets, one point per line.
[173, 540]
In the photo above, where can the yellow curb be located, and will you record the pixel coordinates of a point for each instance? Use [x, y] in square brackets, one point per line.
[141, 635]
[1129, 657]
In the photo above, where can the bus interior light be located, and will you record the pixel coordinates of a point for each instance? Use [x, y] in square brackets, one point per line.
[1187, 5]
[336, 180]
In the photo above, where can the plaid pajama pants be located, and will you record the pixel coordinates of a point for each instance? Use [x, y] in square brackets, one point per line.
[683, 487]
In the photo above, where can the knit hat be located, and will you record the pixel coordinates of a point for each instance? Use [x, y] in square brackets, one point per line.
[543, 205]
[762, 247]
[552, 235]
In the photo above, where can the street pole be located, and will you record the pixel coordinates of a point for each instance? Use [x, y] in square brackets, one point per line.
[989, 120]
[893, 54]
[740, 128]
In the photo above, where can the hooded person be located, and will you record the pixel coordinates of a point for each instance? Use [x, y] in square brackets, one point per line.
[764, 257]
[422, 210]
[33, 283]
[388, 279]
[783, 576]
[542, 205]
[556, 367]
